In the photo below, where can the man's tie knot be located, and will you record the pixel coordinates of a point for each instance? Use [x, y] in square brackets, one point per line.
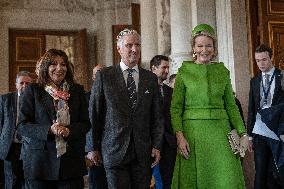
[130, 71]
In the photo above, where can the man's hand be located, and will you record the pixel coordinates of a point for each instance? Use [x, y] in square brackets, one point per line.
[183, 146]
[91, 156]
[156, 155]
[95, 157]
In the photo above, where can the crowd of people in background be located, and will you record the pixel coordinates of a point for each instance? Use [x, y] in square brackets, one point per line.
[136, 126]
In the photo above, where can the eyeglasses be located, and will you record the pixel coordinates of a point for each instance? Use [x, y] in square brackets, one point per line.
[126, 31]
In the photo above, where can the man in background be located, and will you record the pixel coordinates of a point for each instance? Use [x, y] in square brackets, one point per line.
[160, 66]
[97, 175]
[265, 92]
[10, 146]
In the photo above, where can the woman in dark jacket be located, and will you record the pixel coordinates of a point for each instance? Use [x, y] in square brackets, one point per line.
[53, 122]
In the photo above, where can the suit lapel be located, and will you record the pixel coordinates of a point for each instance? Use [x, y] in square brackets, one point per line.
[48, 104]
[141, 86]
[120, 86]
[14, 105]
[277, 89]
[257, 90]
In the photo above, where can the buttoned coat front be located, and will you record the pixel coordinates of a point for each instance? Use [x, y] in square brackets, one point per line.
[37, 114]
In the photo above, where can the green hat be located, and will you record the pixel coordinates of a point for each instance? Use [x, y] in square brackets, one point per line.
[203, 28]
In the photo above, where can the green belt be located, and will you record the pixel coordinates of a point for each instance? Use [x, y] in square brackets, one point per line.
[200, 113]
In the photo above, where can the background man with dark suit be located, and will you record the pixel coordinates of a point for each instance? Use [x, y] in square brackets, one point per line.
[126, 119]
[160, 66]
[10, 146]
[265, 91]
[96, 173]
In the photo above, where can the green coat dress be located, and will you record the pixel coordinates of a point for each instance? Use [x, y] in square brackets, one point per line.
[203, 106]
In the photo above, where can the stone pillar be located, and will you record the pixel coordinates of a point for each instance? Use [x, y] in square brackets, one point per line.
[225, 36]
[203, 11]
[180, 33]
[109, 20]
[149, 37]
[163, 27]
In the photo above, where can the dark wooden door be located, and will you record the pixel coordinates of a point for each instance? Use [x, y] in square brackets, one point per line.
[80, 59]
[266, 25]
[25, 48]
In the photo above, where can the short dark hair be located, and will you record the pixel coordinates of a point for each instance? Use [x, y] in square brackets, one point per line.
[156, 60]
[264, 48]
[46, 60]
[172, 77]
[23, 73]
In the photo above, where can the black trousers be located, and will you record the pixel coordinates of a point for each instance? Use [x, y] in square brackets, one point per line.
[264, 165]
[74, 183]
[97, 178]
[13, 168]
[167, 164]
[130, 173]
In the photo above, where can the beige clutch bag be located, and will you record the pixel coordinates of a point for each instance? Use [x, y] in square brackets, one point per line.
[234, 140]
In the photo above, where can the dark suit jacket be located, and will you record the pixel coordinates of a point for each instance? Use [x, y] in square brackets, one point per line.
[38, 145]
[8, 113]
[169, 135]
[113, 122]
[89, 136]
[254, 97]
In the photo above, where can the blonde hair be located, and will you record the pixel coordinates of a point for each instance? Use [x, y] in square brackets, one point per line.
[206, 34]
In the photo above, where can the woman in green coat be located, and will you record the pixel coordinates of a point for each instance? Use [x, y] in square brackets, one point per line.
[203, 106]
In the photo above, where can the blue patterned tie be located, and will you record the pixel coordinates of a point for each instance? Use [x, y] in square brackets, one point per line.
[266, 86]
[131, 88]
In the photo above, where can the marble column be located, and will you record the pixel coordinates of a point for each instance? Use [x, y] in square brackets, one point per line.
[203, 11]
[180, 33]
[109, 20]
[233, 50]
[163, 27]
[149, 39]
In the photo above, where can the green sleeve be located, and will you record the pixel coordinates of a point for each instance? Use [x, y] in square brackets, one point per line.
[177, 104]
[232, 109]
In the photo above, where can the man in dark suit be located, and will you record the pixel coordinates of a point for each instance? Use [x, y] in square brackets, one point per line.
[10, 146]
[126, 119]
[265, 91]
[160, 66]
[96, 175]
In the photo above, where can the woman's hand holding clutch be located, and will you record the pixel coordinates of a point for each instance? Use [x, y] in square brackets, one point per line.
[244, 144]
[183, 146]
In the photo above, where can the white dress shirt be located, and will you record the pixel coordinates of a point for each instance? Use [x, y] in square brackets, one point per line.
[135, 74]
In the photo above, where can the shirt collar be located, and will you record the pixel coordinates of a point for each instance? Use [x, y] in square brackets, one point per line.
[124, 67]
[270, 72]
